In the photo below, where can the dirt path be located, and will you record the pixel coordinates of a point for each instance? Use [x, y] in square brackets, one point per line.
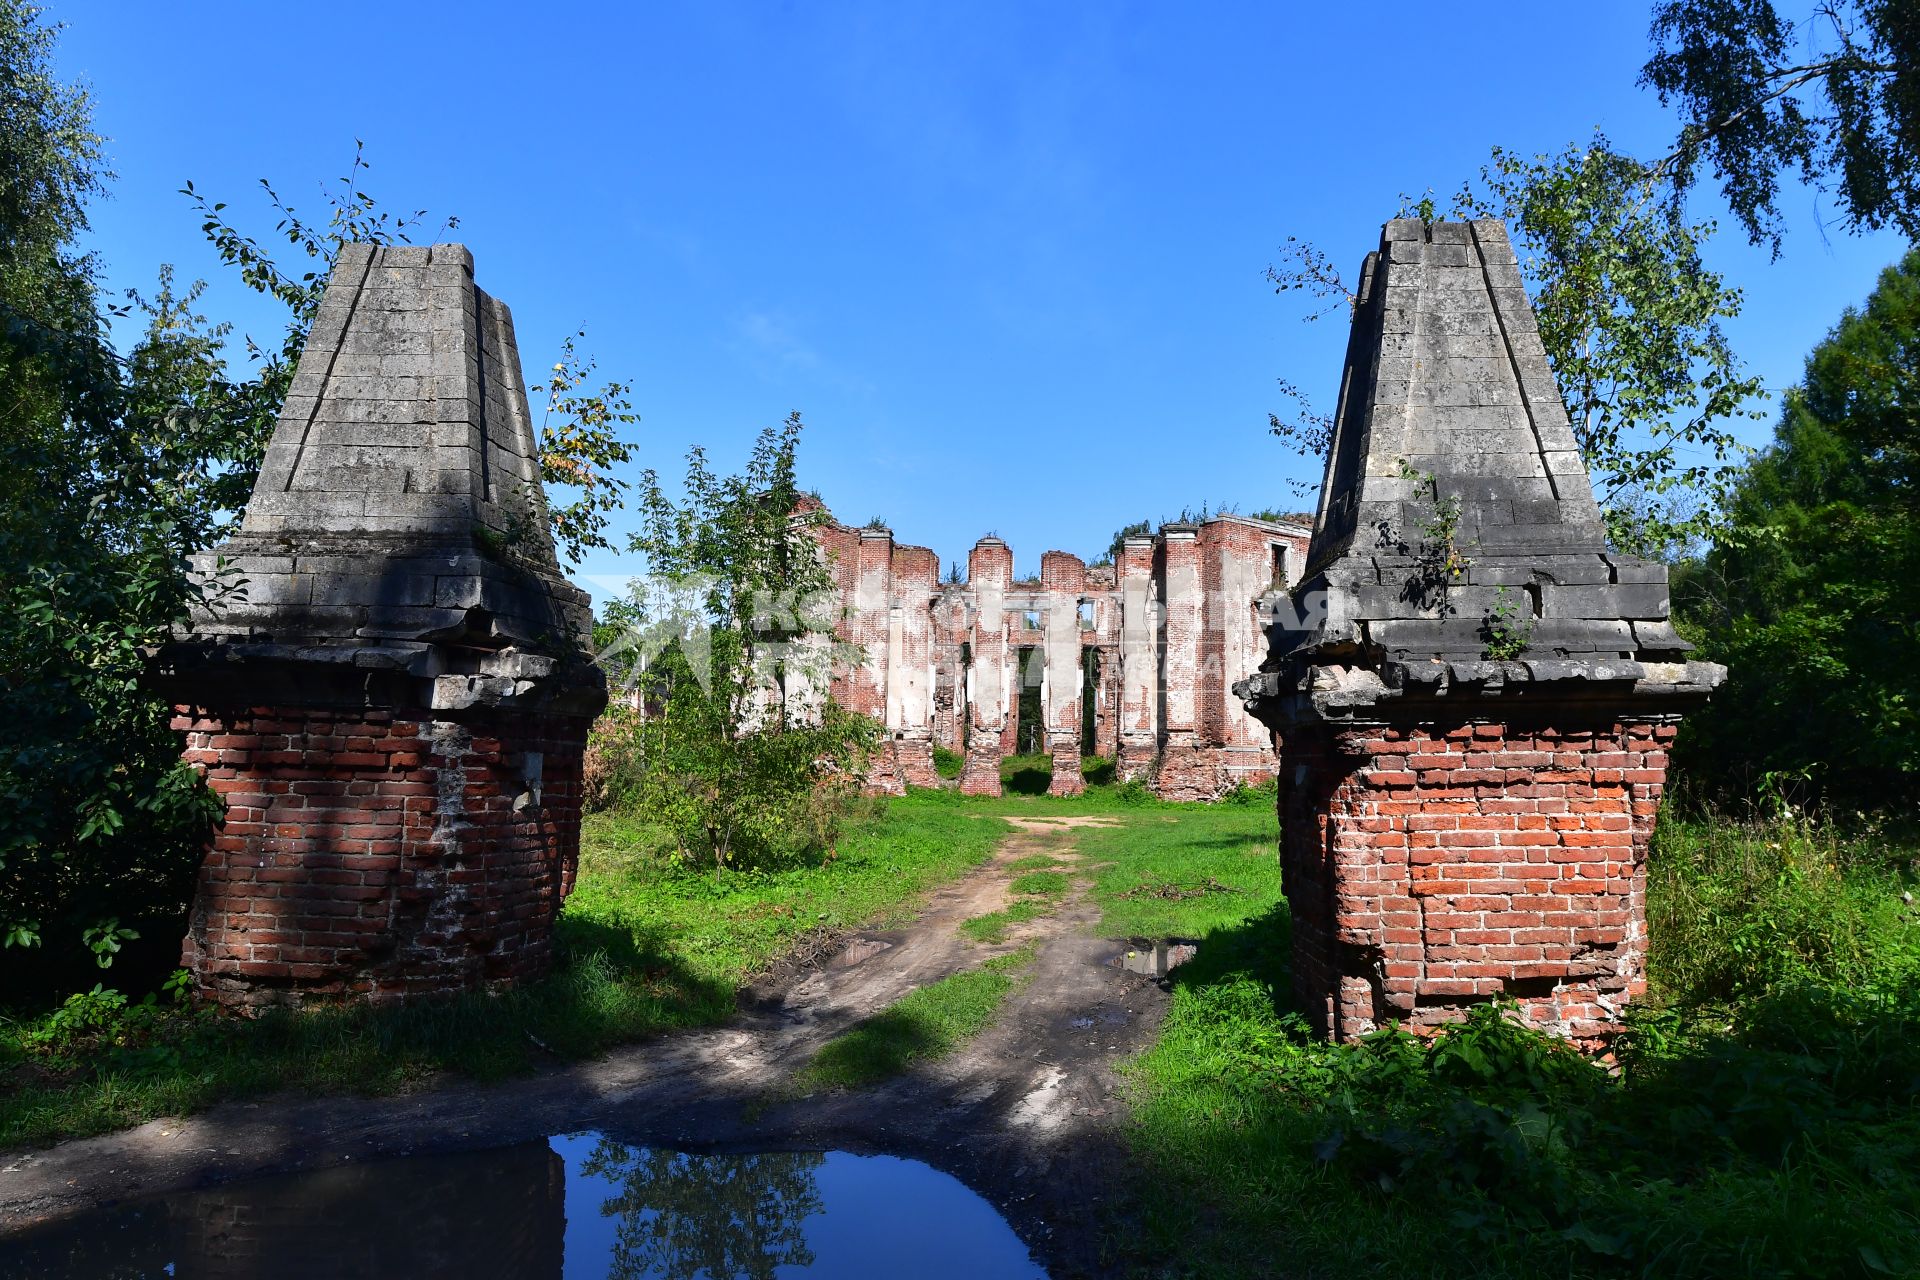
[1025, 1114]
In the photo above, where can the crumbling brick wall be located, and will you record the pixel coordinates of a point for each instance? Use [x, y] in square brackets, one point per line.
[380, 852]
[1428, 868]
[1237, 572]
[993, 696]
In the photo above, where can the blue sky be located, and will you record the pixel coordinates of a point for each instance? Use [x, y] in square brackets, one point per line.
[1006, 258]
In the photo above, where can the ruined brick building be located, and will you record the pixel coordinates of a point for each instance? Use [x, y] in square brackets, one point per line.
[1133, 661]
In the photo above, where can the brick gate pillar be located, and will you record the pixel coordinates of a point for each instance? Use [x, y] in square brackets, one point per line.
[387, 682]
[1475, 714]
[990, 689]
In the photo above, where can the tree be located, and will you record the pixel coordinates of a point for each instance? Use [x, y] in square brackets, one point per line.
[1834, 96]
[747, 759]
[1631, 320]
[1813, 600]
[96, 515]
[112, 471]
[1132, 529]
[678, 1216]
[1630, 316]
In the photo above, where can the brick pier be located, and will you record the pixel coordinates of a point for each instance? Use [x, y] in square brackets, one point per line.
[1472, 695]
[388, 684]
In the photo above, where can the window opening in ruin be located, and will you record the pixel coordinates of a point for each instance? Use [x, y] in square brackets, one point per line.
[1086, 615]
[962, 708]
[1030, 619]
[1031, 736]
[1089, 700]
[1279, 564]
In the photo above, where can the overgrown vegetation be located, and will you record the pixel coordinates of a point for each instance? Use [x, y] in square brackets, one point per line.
[1813, 600]
[948, 763]
[739, 608]
[1761, 1121]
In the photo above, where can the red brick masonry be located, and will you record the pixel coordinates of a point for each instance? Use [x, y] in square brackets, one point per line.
[380, 854]
[1427, 869]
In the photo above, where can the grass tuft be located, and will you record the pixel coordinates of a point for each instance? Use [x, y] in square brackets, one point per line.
[1044, 884]
[992, 927]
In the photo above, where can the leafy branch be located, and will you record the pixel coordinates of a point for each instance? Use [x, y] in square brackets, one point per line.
[1442, 561]
[1508, 630]
[580, 442]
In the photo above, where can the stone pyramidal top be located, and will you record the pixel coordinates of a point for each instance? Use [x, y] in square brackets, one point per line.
[1457, 543]
[408, 413]
[399, 503]
[1446, 376]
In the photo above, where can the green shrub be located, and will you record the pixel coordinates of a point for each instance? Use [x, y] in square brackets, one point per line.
[611, 771]
[1739, 908]
[1759, 1118]
[1265, 793]
[948, 764]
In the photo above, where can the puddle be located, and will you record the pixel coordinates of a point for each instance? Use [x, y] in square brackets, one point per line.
[580, 1206]
[1157, 958]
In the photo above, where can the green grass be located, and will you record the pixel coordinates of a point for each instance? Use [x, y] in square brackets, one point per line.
[925, 1024]
[1035, 862]
[1736, 908]
[1764, 1121]
[992, 927]
[1042, 884]
[1183, 871]
[644, 946]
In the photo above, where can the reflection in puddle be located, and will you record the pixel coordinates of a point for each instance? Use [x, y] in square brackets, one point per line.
[1158, 957]
[578, 1206]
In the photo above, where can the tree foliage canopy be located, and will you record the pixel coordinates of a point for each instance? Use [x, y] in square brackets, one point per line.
[1631, 319]
[97, 510]
[1833, 97]
[1813, 601]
